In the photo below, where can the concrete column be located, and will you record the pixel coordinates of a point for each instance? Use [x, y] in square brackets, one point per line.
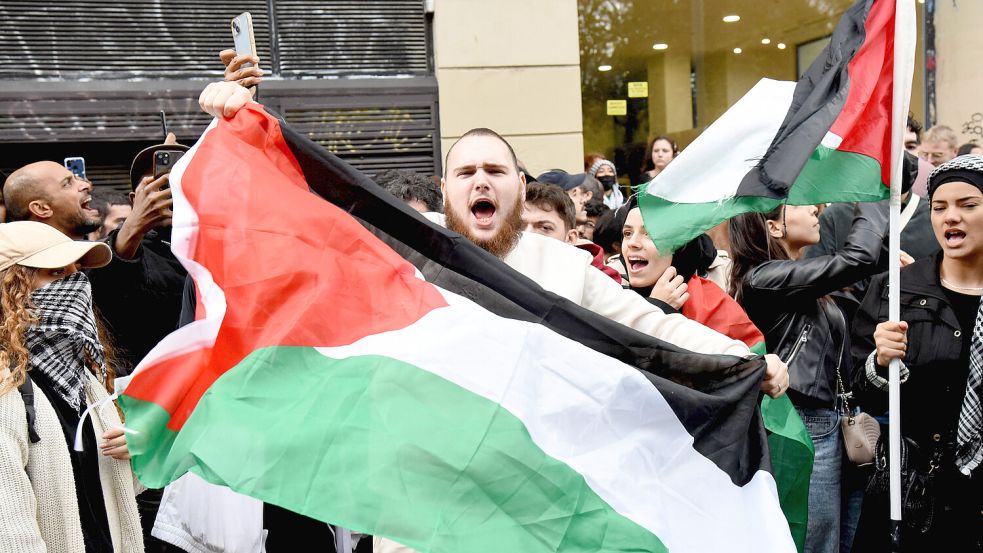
[670, 99]
[512, 66]
[959, 77]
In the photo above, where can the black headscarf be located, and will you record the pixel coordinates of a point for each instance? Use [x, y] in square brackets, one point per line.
[967, 168]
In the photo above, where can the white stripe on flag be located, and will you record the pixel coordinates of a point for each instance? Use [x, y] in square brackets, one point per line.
[711, 168]
[600, 417]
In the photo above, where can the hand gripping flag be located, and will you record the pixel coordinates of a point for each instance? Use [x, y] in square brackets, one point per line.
[357, 364]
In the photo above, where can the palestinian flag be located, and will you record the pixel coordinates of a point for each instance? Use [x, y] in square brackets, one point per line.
[826, 138]
[792, 451]
[357, 364]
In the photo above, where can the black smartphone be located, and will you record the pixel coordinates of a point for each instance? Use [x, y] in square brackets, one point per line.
[163, 124]
[164, 161]
[77, 166]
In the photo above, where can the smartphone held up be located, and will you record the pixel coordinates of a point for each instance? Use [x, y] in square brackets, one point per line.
[164, 161]
[244, 40]
[77, 166]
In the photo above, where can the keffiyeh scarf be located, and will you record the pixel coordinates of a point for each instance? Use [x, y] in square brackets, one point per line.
[969, 437]
[65, 339]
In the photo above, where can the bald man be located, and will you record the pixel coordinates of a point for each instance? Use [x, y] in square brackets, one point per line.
[49, 193]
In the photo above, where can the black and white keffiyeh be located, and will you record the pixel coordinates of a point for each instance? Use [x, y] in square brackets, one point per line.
[65, 339]
[969, 436]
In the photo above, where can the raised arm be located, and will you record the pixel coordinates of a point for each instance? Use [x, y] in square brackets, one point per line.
[805, 280]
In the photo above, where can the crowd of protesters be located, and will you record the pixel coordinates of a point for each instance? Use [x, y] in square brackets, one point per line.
[90, 286]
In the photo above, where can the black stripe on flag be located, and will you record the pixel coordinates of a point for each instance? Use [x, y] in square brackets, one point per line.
[714, 396]
[818, 100]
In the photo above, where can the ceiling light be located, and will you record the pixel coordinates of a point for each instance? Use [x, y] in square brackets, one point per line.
[737, 50]
[603, 67]
[781, 45]
[766, 41]
[660, 46]
[732, 18]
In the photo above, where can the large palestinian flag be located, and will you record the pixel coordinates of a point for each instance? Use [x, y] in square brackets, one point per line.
[357, 364]
[826, 138]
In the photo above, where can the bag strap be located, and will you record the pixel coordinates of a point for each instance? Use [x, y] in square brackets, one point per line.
[909, 210]
[27, 394]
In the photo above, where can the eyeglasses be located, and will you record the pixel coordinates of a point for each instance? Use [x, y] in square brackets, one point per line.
[932, 156]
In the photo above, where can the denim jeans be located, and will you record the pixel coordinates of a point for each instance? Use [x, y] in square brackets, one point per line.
[823, 529]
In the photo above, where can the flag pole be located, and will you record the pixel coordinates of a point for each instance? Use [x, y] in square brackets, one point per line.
[904, 64]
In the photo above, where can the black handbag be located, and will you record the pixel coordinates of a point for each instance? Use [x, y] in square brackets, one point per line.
[918, 472]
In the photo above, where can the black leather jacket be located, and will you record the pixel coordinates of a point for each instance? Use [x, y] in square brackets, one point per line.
[790, 302]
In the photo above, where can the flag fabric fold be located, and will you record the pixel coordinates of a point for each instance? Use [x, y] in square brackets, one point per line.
[823, 139]
[357, 364]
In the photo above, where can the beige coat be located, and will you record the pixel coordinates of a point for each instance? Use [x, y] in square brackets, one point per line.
[39, 508]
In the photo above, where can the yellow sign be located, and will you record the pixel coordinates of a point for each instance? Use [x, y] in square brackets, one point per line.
[617, 107]
[638, 89]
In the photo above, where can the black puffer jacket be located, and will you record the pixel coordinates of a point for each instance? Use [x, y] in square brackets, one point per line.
[790, 302]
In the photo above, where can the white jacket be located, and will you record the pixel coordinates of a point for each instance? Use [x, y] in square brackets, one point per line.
[567, 271]
[38, 505]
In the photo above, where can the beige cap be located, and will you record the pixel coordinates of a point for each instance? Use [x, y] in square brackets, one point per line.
[34, 244]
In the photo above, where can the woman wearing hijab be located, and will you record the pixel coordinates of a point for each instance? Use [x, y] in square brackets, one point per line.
[940, 344]
[605, 172]
[54, 368]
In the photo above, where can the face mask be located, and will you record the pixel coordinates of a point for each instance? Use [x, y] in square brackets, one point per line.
[608, 181]
[65, 339]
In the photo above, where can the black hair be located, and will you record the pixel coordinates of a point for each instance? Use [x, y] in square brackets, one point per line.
[550, 197]
[596, 208]
[751, 245]
[102, 198]
[967, 148]
[607, 232]
[409, 186]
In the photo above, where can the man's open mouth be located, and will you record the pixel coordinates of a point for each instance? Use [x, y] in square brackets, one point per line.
[85, 204]
[954, 237]
[483, 210]
[636, 264]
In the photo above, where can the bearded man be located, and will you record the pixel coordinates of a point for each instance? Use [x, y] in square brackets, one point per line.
[484, 192]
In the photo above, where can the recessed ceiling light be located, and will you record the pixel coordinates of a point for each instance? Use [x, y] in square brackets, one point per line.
[766, 41]
[732, 18]
[603, 67]
[781, 45]
[737, 50]
[660, 46]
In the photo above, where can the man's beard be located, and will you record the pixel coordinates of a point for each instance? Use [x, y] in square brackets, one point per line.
[504, 240]
[82, 225]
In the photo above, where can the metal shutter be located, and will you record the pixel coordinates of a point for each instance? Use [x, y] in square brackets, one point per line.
[121, 39]
[66, 85]
[382, 37]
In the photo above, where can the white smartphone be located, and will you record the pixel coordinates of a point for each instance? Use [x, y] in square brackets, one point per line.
[242, 35]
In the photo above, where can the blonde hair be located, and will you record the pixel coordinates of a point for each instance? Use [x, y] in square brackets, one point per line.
[941, 133]
[17, 315]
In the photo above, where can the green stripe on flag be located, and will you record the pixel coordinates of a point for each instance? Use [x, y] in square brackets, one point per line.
[837, 176]
[334, 439]
[792, 455]
[829, 176]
